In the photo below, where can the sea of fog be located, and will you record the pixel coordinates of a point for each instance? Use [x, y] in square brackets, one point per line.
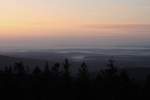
[125, 57]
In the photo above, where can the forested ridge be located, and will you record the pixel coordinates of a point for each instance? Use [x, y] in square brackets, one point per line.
[57, 82]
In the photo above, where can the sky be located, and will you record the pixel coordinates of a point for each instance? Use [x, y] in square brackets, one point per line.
[46, 24]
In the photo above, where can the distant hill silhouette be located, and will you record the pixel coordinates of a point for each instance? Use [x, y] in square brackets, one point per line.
[8, 60]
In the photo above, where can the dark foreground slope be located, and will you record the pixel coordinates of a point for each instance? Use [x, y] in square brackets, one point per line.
[57, 83]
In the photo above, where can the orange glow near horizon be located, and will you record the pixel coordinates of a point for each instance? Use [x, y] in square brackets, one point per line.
[59, 19]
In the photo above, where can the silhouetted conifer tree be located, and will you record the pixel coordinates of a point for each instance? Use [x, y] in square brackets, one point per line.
[84, 82]
[56, 70]
[111, 67]
[67, 76]
[83, 73]
[46, 70]
[111, 80]
[37, 71]
[19, 68]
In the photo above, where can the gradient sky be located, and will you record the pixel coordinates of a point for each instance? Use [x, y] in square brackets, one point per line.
[73, 23]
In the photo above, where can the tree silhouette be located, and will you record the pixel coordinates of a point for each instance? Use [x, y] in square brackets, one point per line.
[67, 76]
[111, 83]
[83, 73]
[111, 67]
[84, 82]
[19, 68]
[56, 70]
[47, 72]
[111, 80]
